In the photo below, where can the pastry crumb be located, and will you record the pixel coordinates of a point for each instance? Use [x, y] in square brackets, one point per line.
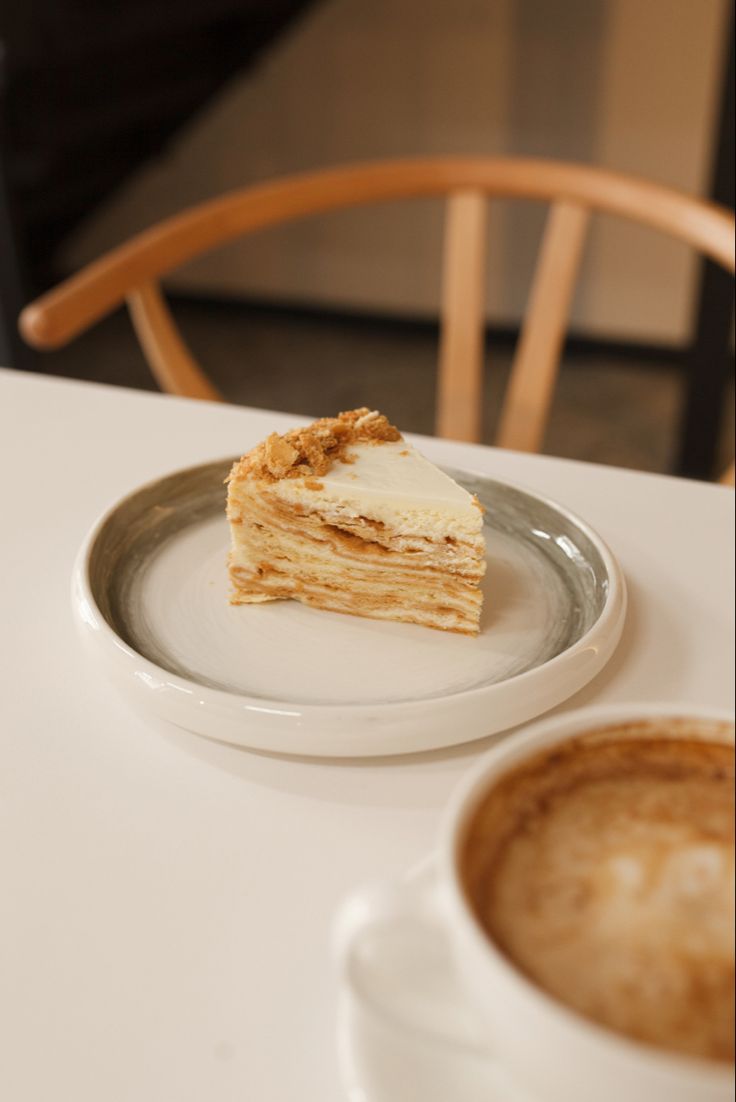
[314, 449]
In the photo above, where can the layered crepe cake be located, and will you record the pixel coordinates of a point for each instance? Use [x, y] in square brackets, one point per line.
[345, 515]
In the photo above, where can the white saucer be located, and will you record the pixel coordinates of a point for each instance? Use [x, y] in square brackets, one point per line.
[405, 1030]
[151, 587]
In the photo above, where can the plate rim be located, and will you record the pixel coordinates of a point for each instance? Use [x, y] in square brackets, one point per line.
[608, 625]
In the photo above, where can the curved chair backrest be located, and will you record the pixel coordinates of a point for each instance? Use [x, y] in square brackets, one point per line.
[132, 271]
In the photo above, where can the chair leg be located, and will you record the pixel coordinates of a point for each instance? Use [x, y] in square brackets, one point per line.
[709, 359]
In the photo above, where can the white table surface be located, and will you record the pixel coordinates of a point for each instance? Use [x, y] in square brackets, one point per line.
[165, 902]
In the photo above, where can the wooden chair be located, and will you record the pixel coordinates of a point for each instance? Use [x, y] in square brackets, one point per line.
[132, 271]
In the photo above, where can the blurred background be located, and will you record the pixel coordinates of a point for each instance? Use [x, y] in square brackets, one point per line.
[115, 116]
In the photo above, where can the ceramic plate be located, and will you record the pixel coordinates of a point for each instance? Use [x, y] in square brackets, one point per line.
[151, 588]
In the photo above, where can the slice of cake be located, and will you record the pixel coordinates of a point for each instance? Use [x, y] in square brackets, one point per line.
[345, 515]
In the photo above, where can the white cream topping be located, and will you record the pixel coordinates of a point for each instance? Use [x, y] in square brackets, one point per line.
[396, 472]
[393, 483]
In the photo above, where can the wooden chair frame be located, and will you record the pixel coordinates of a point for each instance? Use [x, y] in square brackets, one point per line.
[131, 272]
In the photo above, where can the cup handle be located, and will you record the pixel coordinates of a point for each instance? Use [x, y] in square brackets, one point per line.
[395, 961]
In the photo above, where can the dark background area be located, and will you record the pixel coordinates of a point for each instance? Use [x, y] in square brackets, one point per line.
[90, 91]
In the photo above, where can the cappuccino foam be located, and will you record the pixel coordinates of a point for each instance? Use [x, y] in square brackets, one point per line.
[604, 870]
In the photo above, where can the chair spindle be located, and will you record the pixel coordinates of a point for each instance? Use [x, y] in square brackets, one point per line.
[536, 362]
[460, 372]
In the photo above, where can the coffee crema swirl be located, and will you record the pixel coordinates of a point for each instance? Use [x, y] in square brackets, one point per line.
[604, 870]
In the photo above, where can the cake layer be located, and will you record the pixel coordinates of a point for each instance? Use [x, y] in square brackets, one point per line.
[281, 553]
[454, 608]
[267, 520]
[389, 605]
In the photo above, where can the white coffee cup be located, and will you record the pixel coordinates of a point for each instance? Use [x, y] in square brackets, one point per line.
[518, 1042]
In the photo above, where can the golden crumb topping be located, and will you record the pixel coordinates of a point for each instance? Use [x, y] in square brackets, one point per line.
[314, 449]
